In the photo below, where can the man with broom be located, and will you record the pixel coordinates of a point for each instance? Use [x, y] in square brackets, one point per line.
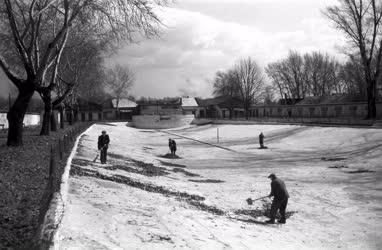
[103, 143]
[280, 199]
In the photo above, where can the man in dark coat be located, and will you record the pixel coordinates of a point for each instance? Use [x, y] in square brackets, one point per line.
[261, 140]
[172, 146]
[280, 199]
[103, 144]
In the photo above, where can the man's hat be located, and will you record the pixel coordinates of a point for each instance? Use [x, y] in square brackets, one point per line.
[103, 131]
[272, 176]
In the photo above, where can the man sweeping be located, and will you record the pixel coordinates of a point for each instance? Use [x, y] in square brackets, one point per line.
[280, 199]
[103, 143]
[172, 146]
[261, 140]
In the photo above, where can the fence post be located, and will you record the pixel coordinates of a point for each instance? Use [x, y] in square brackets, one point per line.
[60, 148]
[52, 169]
[65, 143]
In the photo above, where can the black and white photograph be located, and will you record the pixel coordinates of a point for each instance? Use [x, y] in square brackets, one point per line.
[190, 124]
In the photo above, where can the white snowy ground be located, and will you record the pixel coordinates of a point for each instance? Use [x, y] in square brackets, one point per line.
[334, 209]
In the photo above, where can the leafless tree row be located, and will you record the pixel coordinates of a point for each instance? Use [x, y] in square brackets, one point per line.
[36, 36]
[318, 74]
[311, 74]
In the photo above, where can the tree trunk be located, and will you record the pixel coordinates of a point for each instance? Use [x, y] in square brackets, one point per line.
[74, 114]
[371, 100]
[46, 121]
[16, 115]
[62, 118]
[246, 108]
[53, 122]
[70, 117]
[231, 108]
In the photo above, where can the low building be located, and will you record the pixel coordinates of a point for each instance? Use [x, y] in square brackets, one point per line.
[89, 111]
[111, 109]
[166, 106]
[315, 107]
[122, 109]
[225, 107]
[190, 106]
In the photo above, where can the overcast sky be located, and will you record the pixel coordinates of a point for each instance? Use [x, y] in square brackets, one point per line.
[203, 36]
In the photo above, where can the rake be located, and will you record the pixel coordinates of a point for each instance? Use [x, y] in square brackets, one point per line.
[250, 201]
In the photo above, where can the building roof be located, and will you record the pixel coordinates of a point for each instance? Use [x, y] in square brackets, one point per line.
[189, 102]
[332, 99]
[85, 105]
[123, 103]
[221, 101]
[161, 102]
[289, 101]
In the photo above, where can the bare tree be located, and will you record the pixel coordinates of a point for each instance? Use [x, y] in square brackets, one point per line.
[225, 84]
[268, 95]
[80, 74]
[250, 82]
[119, 80]
[290, 76]
[275, 73]
[314, 74]
[351, 75]
[34, 34]
[322, 74]
[360, 20]
[91, 83]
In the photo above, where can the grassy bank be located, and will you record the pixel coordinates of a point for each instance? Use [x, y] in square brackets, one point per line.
[24, 182]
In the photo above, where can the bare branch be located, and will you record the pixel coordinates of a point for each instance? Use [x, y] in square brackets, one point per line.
[8, 72]
[46, 6]
[61, 98]
[17, 39]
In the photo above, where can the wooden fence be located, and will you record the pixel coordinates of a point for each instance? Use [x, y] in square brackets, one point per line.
[59, 151]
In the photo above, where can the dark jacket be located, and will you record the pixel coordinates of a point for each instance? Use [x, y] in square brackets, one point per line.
[261, 138]
[103, 141]
[278, 189]
[172, 144]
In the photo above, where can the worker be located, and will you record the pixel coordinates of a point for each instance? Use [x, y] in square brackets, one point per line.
[172, 146]
[280, 199]
[103, 144]
[261, 140]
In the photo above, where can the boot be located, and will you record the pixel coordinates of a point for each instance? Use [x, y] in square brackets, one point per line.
[282, 221]
[271, 221]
